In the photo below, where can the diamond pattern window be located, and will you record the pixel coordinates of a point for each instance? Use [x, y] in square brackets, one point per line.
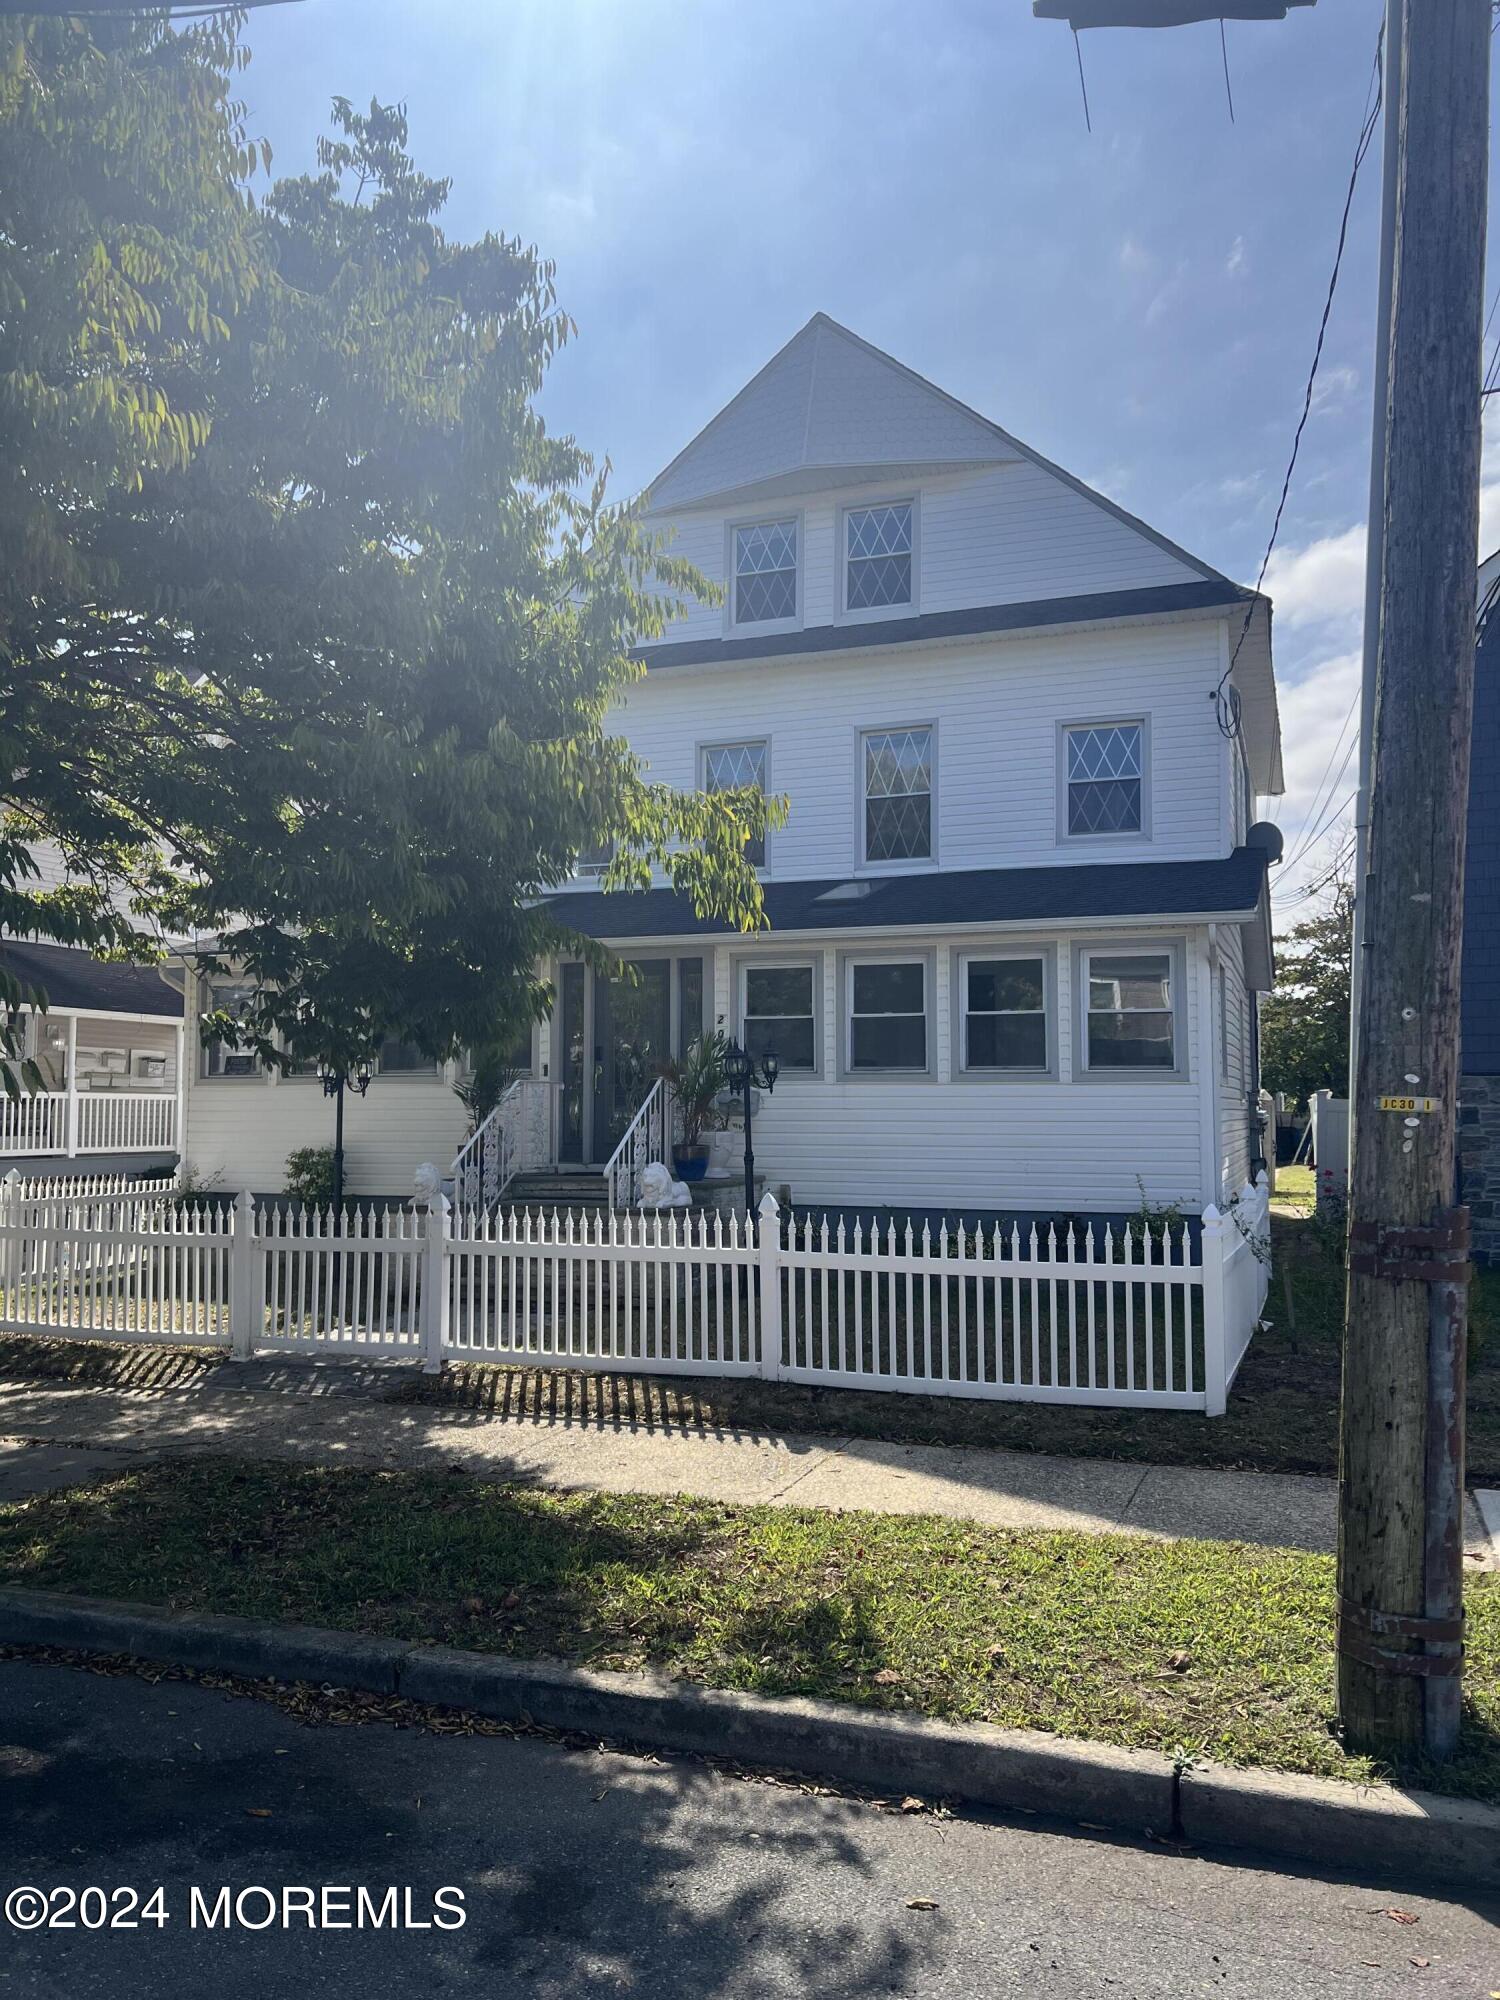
[898, 795]
[765, 572]
[777, 1013]
[1131, 1017]
[888, 1014]
[738, 767]
[878, 549]
[1104, 778]
[1005, 1013]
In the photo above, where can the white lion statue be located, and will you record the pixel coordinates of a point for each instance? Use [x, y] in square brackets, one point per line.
[659, 1190]
[427, 1182]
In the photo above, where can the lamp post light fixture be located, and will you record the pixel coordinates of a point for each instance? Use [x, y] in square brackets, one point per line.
[744, 1075]
[335, 1081]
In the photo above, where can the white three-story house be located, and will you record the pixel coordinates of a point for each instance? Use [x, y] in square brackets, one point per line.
[1018, 913]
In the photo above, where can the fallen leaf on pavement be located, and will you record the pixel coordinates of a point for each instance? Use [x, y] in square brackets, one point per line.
[257, 1812]
[1401, 1916]
[911, 1803]
[1419, 1961]
[921, 1903]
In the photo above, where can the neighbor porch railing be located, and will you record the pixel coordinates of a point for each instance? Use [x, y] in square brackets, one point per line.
[101, 1121]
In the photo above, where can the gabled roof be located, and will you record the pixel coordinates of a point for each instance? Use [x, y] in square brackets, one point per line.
[830, 407]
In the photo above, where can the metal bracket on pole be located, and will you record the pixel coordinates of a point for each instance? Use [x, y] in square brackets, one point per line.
[1437, 1254]
[1366, 1633]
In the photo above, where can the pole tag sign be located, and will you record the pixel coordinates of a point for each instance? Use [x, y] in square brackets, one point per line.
[1408, 1104]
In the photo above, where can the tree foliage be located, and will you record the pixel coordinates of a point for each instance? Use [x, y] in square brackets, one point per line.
[321, 661]
[1305, 1022]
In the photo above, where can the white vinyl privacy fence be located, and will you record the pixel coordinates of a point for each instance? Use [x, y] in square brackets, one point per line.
[1155, 1315]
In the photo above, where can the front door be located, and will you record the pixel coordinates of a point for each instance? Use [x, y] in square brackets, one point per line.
[632, 1040]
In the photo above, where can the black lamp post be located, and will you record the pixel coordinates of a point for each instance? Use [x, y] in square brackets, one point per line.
[335, 1081]
[743, 1075]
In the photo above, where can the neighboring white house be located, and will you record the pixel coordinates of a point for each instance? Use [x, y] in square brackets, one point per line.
[1018, 914]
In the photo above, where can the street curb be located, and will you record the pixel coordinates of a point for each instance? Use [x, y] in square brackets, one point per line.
[1363, 1829]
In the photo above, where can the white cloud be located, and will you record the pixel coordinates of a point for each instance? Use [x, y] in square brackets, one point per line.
[1238, 261]
[1320, 751]
[1134, 256]
[1321, 584]
[1333, 389]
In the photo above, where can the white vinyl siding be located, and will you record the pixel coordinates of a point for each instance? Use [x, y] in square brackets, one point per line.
[995, 705]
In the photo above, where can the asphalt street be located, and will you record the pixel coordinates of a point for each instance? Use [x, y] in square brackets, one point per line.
[591, 1873]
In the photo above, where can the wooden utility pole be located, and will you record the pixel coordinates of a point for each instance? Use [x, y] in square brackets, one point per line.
[1401, 1447]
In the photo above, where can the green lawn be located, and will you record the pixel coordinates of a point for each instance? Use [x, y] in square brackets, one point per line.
[1193, 1648]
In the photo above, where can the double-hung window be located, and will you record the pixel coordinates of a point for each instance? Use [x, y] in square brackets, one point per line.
[738, 767]
[1003, 1002]
[887, 1014]
[1130, 1010]
[778, 1011]
[398, 1058]
[878, 556]
[898, 794]
[765, 572]
[219, 1058]
[1105, 779]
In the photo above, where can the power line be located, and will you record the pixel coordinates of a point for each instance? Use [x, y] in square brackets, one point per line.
[1374, 95]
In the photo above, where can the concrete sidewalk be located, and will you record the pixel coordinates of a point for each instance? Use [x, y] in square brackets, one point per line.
[331, 1414]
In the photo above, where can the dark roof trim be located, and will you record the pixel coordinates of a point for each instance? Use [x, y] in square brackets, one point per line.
[75, 979]
[1158, 601]
[1230, 889]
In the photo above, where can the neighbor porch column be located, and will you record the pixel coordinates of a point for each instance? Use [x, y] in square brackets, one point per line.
[179, 1135]
[70, 1105]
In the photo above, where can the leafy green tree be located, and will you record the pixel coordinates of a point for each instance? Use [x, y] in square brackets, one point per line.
[1305, 1022]
[331, 682]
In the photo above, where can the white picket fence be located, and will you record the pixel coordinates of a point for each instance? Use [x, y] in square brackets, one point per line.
[1148, 1317]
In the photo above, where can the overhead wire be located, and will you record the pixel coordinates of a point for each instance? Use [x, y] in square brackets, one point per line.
[1228, 709]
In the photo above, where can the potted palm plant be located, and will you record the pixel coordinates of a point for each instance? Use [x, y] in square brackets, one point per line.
[696, 1081]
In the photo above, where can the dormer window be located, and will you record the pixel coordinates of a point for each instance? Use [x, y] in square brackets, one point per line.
[765, 572]
[878, 556]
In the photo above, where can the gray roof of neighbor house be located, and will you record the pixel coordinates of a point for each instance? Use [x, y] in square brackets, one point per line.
[1231, 889]
[76, 979]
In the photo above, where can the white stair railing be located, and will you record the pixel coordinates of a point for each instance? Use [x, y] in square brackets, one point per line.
[648, 1137]
[515, 1138]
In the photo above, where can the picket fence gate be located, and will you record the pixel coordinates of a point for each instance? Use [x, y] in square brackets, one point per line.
[1153, 1316]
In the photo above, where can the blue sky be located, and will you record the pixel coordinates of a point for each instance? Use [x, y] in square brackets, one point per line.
[1139, 303]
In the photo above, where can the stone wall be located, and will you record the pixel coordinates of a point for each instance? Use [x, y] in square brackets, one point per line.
[1479, 1162]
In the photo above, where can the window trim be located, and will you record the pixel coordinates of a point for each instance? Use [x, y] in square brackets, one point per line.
[259, 1074]
[746, 742]
[1115, 721]
[735, 626]
[873, 614]
[916, 863]
[381, 1074]
[848, 961]
[958, 982]
[1175, 948]
[745, 962]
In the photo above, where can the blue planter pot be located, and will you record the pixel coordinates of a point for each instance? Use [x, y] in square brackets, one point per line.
[691, 1166]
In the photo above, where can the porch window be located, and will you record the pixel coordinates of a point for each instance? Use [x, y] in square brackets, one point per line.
[765, 572]
[1005, 1013]
[878, 551]
[898, 794]
[738, 767]
[778, 1011]
[1105, 778]
[219, 1059]
[1131, 1019]
[592, 861]
[887, 1014]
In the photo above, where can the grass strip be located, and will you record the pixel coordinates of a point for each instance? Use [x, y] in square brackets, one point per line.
[1197, 1649]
